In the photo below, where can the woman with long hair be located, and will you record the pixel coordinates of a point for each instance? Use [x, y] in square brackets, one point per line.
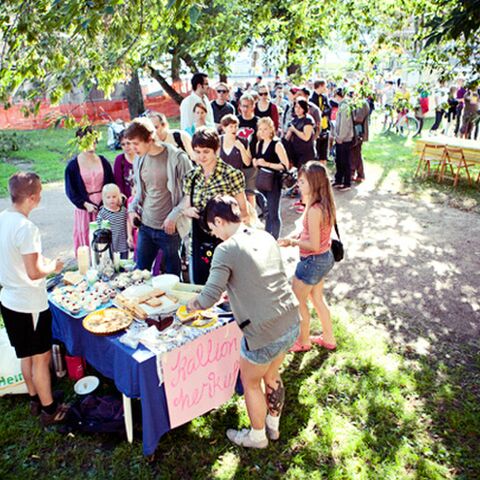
[316, 258]
[271, 156]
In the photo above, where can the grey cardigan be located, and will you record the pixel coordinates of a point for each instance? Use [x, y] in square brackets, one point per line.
[178, 165]
[249, 266]
[344, 124]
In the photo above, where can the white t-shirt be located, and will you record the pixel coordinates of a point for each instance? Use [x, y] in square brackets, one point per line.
[186, 111]
[19, 236]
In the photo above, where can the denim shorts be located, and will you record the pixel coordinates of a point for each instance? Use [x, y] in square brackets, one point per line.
[313, 268]
[269, 352]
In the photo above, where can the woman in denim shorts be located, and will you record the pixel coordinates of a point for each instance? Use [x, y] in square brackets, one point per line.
[316, 258]
[248, 265]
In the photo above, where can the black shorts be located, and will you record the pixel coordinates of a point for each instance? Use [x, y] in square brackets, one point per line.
[27, 341]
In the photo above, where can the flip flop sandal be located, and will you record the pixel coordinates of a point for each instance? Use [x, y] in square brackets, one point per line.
[319, 341]
[298, 348]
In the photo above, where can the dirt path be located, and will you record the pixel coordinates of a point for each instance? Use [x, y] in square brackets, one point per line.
[413, 265]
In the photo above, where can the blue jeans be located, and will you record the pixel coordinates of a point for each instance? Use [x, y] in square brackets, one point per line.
[150, 241]
[274, 221]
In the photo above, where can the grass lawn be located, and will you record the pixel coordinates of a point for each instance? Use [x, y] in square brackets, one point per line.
[370, 410]
[362, 412]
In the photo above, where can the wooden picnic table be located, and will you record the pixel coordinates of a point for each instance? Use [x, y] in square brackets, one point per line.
[471, 148]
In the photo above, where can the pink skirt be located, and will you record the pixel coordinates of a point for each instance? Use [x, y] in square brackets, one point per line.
[81, 221]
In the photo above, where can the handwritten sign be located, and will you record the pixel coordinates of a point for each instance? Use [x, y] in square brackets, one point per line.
[201, 375]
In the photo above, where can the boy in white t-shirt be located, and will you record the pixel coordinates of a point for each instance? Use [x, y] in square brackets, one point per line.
[23, 298]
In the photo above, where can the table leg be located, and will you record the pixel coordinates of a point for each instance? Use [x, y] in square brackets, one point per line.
[127, 412]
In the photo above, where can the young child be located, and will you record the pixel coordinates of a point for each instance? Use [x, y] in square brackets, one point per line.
[114, 211]
[316, 258]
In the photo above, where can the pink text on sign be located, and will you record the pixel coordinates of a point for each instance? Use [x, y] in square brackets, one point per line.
[201, 375]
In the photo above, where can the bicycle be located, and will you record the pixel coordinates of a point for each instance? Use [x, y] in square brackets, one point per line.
[261, 207]
[405, 123]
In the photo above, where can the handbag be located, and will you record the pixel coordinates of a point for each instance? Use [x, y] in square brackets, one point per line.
[337, 247]
[265, 179]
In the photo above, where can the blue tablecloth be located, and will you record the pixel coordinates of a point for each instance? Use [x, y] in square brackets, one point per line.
[114, 360]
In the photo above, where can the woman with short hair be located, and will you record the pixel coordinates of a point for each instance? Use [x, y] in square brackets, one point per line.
[300, 134]
[210, 177]
[159, 169]
[248, 265]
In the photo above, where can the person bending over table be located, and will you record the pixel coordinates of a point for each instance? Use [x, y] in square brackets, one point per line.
[210, 177]
[248, 265]
[158, 172]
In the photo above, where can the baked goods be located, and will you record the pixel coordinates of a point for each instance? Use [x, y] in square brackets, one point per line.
[72, 278]
[197, 318]
[130, 306]
[78, 300]
[108, 321]
[127, 279]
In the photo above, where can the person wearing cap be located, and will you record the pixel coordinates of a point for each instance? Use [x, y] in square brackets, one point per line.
[343, 134]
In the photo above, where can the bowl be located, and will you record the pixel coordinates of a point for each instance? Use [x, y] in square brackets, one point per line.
[86, 385]
[165, 282]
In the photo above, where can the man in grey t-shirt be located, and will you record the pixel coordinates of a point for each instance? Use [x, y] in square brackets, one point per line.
[158, 170]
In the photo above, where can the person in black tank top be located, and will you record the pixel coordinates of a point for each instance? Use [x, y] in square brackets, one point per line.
[271, 154]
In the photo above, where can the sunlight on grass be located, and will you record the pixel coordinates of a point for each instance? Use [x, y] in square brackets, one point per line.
[226, 466]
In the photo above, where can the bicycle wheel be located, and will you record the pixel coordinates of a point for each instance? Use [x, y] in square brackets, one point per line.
[407, 125]
[261, 206]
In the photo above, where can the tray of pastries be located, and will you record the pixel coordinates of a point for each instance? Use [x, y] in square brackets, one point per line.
[197, 318]
[107, 321]
[79, 300]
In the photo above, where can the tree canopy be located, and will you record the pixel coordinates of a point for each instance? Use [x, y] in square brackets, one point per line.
[49, 46]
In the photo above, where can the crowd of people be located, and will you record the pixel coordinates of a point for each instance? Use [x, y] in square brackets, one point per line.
[455, 106]
[195, 189]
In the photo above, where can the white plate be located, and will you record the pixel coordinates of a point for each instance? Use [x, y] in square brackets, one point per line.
[167, 306]
[86, 385]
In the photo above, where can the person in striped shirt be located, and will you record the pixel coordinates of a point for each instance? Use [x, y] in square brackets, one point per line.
[114, 211]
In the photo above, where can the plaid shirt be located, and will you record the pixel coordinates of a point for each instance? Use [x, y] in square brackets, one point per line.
[225, 180]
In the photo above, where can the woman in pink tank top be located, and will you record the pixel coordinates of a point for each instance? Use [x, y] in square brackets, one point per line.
[316, 258]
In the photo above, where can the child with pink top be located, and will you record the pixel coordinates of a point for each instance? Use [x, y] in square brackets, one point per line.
[316, 258]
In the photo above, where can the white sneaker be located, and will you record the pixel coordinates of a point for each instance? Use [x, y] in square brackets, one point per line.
[271, 433]
[242, 438]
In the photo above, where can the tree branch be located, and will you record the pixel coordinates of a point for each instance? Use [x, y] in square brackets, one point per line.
[189, 61]
[165, 85]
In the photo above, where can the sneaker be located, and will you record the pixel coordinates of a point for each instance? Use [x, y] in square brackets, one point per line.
[336, 185]
[318, 339]
[242, 438]
[300, 209]
[271, 433]
[298, 203]
[358, 179]
[344, 188]
[36, 407]
[58, 416]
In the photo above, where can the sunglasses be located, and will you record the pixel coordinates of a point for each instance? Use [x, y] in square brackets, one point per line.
[221, 91]
[263, 94]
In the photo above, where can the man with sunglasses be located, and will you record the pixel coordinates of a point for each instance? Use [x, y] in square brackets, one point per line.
[221, 105]
[198, 95]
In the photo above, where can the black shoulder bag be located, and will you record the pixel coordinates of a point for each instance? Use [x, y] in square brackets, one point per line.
[337, 246]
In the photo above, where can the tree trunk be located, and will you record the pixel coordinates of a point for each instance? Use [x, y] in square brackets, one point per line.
[133, 92]
[223, 77]
[165, 85]
[175, 67]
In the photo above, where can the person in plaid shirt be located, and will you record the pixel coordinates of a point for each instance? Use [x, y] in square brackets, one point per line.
[211, 177]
